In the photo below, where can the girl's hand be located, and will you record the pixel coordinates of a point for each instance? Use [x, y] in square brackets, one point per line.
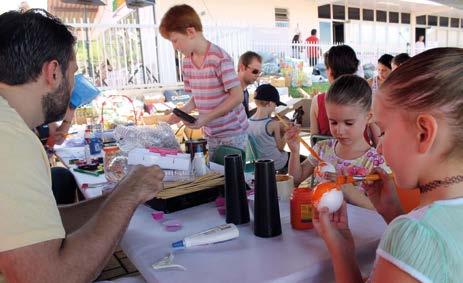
[334, 228]
[292, 139]
[383, 195]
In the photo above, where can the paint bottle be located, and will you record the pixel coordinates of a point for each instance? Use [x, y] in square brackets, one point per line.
[301, 209]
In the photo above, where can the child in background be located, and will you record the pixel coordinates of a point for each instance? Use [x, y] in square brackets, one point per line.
[268, 133]
[210, 76]
[339, 60]
[348, 104]
[420, 107]
[384, 69]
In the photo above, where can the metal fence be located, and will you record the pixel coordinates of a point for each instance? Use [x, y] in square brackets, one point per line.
[135, 56]
[117, 55]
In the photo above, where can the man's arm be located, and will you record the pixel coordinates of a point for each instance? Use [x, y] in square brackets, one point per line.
[76, 215]
[82, 255]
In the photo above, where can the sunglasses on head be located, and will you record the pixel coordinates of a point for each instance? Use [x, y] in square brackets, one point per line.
[255, 71]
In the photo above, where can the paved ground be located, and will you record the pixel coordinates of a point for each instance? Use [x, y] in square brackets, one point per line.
[118, 266]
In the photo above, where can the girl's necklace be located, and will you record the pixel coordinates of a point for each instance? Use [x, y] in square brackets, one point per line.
[446, 182]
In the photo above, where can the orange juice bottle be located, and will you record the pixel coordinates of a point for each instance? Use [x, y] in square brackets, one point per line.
[301, 209]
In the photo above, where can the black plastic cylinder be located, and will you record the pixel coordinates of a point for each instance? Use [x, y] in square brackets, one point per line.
[235, 191]
[266, 210]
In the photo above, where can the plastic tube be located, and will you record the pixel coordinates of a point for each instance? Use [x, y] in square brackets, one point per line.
[214, 235]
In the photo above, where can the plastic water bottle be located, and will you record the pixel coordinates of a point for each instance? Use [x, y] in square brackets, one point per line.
[88, 155]
[87, 139]
[87, 135]
[199, 163]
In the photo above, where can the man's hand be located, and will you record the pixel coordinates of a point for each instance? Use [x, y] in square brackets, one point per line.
[144, 182]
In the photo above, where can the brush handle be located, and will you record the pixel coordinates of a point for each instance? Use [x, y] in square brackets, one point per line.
[303, 142]
[352, 179]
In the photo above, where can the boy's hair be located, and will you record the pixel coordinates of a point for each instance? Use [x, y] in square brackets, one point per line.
[350, 90]
[313, 32]
[247, 57]
[400, 58]
[386, 60]
[261, 102]
[341, 60]
[430, 82]
[30, 39]
[178, 19]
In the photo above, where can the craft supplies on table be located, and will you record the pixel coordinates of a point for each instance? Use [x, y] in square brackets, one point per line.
[183, 194]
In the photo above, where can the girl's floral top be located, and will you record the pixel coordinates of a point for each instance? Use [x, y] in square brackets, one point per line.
[360, 166]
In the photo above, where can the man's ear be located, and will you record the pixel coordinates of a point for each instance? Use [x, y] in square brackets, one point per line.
[52, 73]
[241, 67]
[426, 132]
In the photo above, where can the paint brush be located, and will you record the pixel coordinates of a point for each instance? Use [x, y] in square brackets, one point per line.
[303, 142]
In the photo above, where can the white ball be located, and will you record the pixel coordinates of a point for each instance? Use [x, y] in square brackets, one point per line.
[332, 200]
[327, 168]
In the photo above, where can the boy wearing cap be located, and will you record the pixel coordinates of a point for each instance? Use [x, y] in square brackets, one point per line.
[268, 134]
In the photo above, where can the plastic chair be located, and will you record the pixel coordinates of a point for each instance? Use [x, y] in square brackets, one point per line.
[251, 154]
[316, 138]
[224, 150]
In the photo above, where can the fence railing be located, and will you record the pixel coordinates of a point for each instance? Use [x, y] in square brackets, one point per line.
[117, 55]
[136, 56]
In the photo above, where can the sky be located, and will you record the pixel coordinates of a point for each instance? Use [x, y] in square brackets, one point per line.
[6, 5]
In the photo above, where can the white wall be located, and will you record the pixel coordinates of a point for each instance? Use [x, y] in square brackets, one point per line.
[148, 39]
[303, 14]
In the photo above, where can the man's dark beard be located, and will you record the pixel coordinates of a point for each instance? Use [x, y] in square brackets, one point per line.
[55, 104]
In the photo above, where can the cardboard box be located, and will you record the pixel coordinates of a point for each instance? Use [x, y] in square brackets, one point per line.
[278, 82]
[141, 156]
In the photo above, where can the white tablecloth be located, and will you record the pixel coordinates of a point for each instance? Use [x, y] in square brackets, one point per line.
[294, 256]
[68, 153]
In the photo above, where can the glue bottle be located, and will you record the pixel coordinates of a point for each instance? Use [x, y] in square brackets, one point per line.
[301, 209]
[213, 235]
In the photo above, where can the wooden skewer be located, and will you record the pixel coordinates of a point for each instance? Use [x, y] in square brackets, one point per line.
[303, 142]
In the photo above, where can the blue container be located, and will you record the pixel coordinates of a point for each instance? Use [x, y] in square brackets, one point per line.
[83, 93]
[95, 146]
